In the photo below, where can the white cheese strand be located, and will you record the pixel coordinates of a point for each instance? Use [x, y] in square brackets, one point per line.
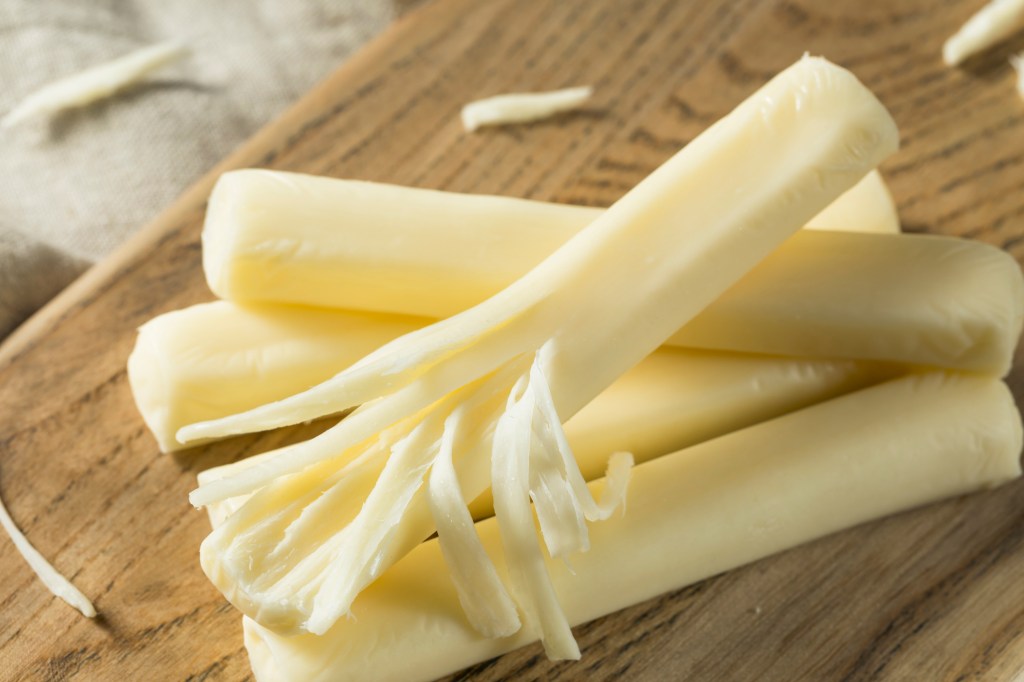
[618, 467]
[560, 494]
[559, 512]
[366, 535]
[528, 575]
[522, 107]
[1017, 62]
[993, 23]
[483, 597]
[54, 581]
[369, 536]
[95, 83]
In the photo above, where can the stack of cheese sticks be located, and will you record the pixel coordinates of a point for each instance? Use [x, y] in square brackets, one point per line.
[806, 381]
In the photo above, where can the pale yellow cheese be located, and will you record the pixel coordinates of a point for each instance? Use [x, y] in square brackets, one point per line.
[905, 298]
[215, 359]
[292, 238]
[673, 399]
[867, 207]
[95, 83]
[550, 343]
[691, 515]
[522, 107]
[1017, 62]
[924, 300]
[993, 23]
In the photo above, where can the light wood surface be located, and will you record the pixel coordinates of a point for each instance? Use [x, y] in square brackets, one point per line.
[935, 594]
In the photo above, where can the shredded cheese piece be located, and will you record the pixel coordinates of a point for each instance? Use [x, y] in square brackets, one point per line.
[481, 593]
[522, 107]
[54, 581]
[96, 83]
[1017, 62]
[994, 22]
[529, 576]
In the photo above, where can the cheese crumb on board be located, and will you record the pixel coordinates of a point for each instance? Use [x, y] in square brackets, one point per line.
[993, 23]
[54, 581]
[1017, 62]
[95, 83]
[522, 107]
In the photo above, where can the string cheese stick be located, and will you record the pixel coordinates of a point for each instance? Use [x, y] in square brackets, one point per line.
[550, 342]
[95, 83]
[866, 207]
[993, 23]
[671, 400]
[183, 371]
[293, 238]
[910, 299]
[693, 514]
[522, 107]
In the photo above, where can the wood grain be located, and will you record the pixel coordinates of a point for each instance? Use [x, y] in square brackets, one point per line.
[933, 594]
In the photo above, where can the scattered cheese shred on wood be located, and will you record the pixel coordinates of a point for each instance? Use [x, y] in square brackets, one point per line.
[994, 22]
[95, 83]
[522, 107]
[1017, 62]
[54, 581]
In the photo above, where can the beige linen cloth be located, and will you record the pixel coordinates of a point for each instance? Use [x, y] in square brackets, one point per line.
[72, 187]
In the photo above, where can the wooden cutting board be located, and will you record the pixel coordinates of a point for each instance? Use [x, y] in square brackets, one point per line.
[934, 594]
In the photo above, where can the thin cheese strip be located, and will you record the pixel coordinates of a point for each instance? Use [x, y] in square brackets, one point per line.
[96, 83]
[692, 515]
[481, 593]
[282, 237]
[1017, 62]
[528, 575]
[54, 581]
[522, 107]
[993, 23]
[693, 228]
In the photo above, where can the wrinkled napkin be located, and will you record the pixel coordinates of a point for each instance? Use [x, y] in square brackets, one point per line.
[74, 186]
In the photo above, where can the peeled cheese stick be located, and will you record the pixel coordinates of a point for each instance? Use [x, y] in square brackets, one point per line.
[911, 299]
[693, 514]
[674, 398]
[293, 238]
[496, 381]
[183, 370]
